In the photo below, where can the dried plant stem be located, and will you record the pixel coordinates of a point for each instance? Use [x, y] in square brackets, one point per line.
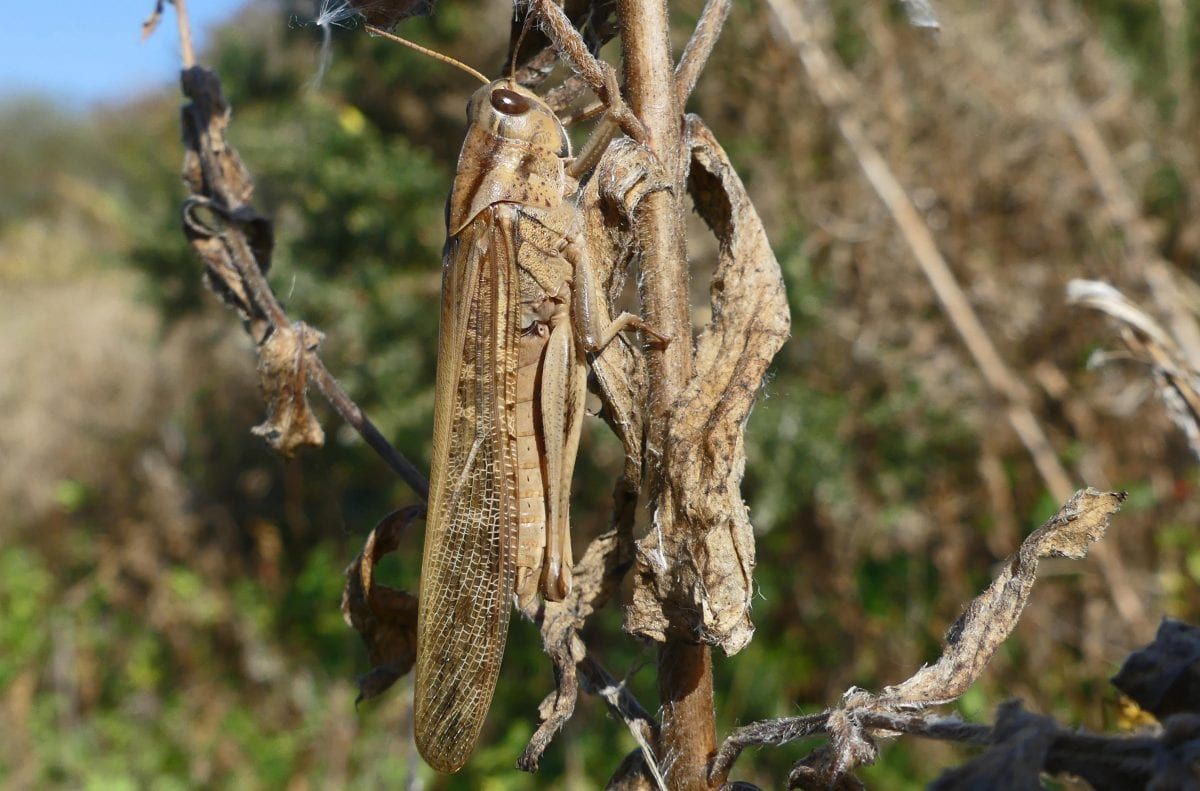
[337, 397]
[700, 47]
[684, 669]
[687, 73]
[830, 81]
[187, 54]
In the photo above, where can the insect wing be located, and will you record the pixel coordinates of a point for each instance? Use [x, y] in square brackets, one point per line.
[471, 535]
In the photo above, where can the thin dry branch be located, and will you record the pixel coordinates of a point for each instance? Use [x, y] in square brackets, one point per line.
[187, 54]
[699, 47]
[595, 22]
[862, 717]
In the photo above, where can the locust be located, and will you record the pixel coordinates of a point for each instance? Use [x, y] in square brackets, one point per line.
[519, 315]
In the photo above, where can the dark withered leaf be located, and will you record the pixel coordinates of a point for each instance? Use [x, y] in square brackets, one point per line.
[385, 618]
[389, 13]
[1164, 677]
[283, 372]
[1021, 743]
[378, 681]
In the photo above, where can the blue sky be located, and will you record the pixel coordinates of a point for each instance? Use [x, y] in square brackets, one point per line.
[80, 52]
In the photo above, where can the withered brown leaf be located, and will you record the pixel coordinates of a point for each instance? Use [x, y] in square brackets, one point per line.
[282, 368]
[696, 583]
[385, 618]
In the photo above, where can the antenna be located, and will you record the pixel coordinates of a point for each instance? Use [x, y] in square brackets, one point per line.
[424, 50]
[512, 67]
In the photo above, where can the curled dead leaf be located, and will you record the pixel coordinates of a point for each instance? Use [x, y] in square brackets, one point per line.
[696, 583]
[862, 718]
[385, 618]
[992, 615]
[283, 374]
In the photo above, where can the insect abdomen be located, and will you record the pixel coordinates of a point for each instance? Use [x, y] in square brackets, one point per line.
[531, 485]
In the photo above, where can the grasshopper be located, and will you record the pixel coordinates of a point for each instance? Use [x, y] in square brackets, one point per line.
[519, 315]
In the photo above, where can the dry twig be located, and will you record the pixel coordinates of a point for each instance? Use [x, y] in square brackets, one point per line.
[863, 717]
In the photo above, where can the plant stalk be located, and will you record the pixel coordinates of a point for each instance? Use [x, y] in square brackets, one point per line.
[688, 736]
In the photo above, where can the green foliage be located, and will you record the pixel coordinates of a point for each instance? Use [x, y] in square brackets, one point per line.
[24, 595]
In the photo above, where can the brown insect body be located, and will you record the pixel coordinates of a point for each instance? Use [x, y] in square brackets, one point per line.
[508, 411]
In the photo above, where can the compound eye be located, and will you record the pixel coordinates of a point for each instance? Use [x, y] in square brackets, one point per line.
[509, 102]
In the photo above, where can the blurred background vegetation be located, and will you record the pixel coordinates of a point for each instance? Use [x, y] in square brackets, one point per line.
[169, 589]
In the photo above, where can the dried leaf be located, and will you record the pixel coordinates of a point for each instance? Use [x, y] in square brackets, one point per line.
[234, 240]
[282, 369]
[385, 618]
[990, 617]
[220, 223]
[696, 583]
[863, 717]
[625, 175]
[1164, 677]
